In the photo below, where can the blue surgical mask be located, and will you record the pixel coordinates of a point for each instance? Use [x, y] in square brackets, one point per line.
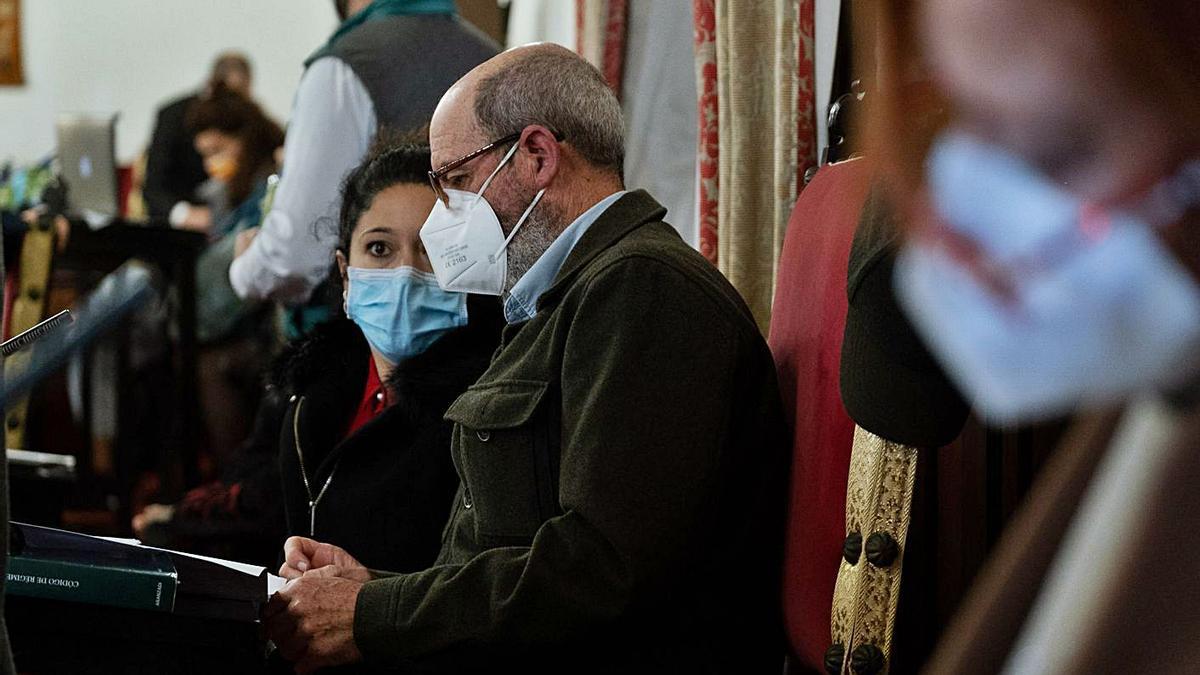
[401, 310]
[1037, 303]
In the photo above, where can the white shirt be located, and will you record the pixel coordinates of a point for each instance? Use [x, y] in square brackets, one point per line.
[332, 124]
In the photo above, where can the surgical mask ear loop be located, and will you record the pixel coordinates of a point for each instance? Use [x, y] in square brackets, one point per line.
[507, 156]
[1171, 199]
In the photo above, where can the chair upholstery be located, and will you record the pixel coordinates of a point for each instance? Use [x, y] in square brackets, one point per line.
[807, 327]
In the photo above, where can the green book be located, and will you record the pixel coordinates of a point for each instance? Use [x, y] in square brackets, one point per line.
[59, 565]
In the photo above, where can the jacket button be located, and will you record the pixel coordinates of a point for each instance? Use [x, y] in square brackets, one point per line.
[468, 501]
[852, 548]
[834, 657]
[866, 660]
[483, 436]
[292, 399]
[881, 549]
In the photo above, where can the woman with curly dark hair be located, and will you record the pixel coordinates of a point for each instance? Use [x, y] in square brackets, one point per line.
[238, 143]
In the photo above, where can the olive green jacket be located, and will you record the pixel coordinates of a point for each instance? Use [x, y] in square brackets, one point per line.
[623, 465]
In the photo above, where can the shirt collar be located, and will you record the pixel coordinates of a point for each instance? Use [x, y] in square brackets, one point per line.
[521, 303]
[373, 401]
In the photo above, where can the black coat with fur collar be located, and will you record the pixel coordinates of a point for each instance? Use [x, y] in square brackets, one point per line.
[388, 488]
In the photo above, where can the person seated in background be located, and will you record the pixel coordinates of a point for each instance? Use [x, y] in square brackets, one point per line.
[237, 142]
[352, 416]
[622, 461]
[174, 169]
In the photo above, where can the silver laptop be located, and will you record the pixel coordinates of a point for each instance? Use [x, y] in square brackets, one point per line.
[87, 160]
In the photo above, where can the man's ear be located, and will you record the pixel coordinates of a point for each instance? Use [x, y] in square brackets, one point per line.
[544, 151]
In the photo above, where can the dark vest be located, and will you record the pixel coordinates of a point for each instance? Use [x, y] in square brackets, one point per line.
[406, 63]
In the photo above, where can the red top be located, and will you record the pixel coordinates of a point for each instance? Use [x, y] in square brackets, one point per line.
[374, 399]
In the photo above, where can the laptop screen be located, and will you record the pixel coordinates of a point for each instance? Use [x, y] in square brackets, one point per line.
[87, 159]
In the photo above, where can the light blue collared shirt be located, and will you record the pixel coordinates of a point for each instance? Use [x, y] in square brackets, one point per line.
[521, 303]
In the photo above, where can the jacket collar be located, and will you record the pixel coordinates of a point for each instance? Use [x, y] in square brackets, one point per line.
[630, 212]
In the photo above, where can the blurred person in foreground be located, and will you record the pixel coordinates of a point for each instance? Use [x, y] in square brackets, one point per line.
[1052, 267]
[174, 169]
[622, 460]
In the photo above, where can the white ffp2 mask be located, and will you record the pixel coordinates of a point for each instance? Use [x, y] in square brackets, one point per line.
[465, 242]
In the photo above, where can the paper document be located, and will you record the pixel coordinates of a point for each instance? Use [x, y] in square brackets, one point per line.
[244, 568]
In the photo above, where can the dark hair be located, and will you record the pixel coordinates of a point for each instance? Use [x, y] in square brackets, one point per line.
[231, 113]
[227, 64]
[392, 160]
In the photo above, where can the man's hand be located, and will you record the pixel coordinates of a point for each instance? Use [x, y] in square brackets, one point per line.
[243, 241]
[301, 554]
[311, 620]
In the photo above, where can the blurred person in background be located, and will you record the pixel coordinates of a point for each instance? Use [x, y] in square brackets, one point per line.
[174, 169]
[237, 143]
[385, 67]
[1052, 267]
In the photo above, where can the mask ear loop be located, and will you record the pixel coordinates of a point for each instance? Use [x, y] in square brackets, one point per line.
[507, 156]
[520, 222]
[1173, 197]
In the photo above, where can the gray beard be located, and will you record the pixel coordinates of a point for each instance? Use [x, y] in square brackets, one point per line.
[535, 236]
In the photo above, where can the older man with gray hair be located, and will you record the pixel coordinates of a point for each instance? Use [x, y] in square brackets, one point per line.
[622, 461]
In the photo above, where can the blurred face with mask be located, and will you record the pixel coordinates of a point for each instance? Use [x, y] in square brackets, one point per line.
[221, 152]
[1055, 259]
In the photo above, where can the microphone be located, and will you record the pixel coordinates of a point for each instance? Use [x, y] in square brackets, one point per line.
[24, 339]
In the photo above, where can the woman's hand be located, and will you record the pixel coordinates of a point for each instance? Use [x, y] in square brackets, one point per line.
[153, 514]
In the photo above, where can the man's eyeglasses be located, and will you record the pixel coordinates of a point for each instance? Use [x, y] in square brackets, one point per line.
[435, 177]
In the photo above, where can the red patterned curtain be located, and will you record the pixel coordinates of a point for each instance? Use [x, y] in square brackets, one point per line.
[757, 134]
[600, 36]
[806, 100]
[705, 14]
